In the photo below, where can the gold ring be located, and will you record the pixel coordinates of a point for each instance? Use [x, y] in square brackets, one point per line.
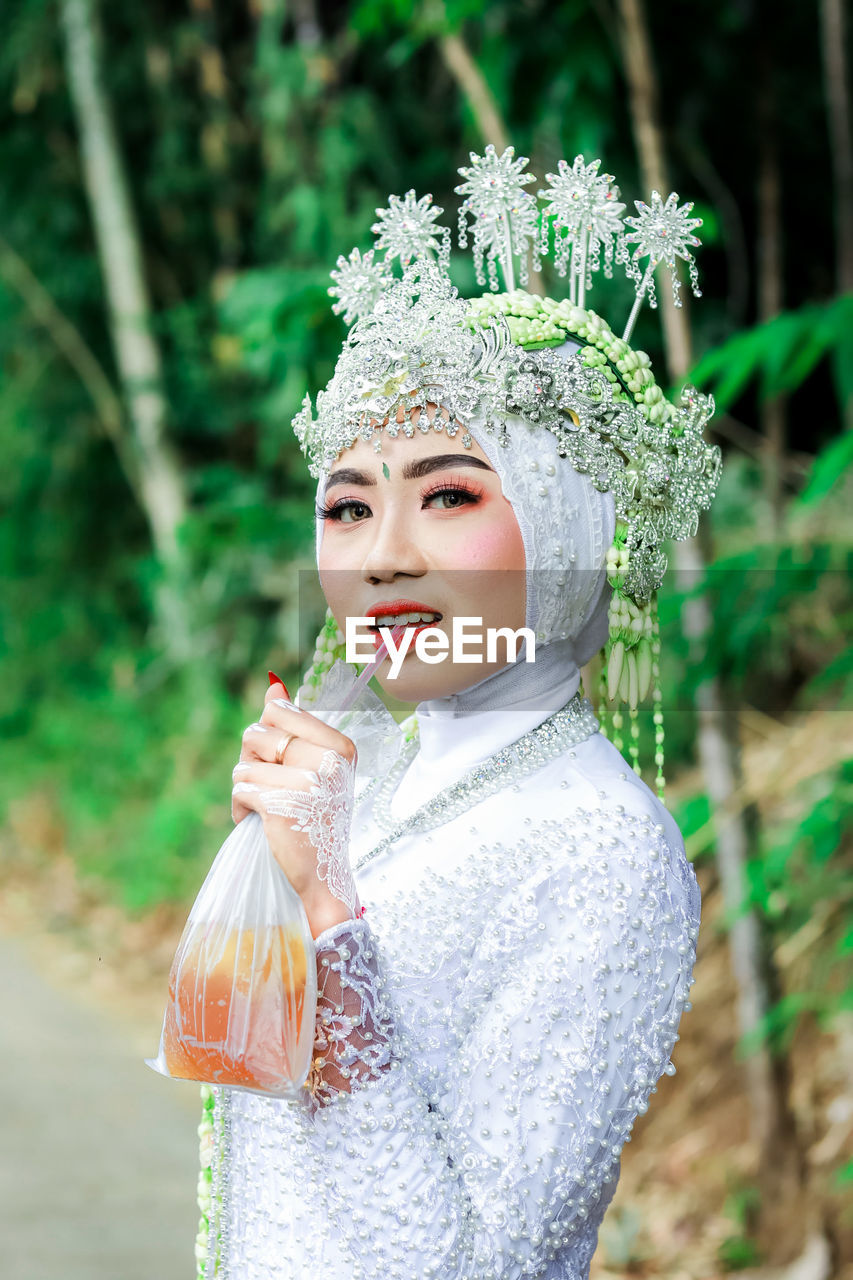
[282, 747]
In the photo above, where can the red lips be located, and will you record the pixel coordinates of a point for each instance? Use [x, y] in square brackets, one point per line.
[399, 606]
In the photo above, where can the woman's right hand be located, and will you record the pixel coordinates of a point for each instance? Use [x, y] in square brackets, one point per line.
[297, 773]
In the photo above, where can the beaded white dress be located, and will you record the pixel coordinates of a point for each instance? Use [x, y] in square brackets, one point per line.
[515, 988]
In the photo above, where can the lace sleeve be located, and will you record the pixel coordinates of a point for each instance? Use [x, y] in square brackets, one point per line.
[354, 1026]
[573, 1000]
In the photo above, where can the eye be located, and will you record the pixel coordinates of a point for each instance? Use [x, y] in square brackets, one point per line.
[345, 511]
[451, 495]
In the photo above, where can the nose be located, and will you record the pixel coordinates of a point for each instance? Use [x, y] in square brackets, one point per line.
[393, 552]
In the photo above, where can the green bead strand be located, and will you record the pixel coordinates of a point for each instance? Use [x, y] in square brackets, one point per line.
[602, 691]
[409, 728]
[617, 723]
[330, 647]
[536, 322]
[205, 1180]
[634, 742]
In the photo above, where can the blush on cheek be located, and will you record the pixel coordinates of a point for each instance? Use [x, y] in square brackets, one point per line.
[499, 546]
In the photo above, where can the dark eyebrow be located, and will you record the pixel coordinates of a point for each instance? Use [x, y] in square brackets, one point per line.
[425, 466]
[347, 475]
[411, 470]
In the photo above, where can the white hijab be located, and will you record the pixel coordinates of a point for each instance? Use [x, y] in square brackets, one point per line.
[567, 526]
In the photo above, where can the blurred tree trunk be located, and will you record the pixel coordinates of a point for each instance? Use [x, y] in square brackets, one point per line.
[477, 93]
[160, 484]
[462, 65]
[215, 131]
[68, 340]
[772, 1123]
[837, 88]
[306, 25]
[769, 259]
[475, 89]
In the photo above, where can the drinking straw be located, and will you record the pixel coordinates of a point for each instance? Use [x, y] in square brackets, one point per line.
[368, 671]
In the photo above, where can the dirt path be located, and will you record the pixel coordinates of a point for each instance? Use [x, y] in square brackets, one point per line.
[98, 1154]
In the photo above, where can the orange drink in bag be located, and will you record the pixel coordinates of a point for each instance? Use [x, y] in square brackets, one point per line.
[243, 984]
[229, 1006]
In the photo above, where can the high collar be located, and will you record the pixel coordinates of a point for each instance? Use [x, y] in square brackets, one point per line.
[459, 731]
[520, 694]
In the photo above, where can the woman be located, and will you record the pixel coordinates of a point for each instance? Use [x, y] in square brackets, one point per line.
[505, 935]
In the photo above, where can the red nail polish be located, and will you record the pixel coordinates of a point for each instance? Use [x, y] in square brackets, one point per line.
[274, 679]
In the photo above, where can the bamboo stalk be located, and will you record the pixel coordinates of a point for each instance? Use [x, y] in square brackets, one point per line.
[718, 748]
[160, 489]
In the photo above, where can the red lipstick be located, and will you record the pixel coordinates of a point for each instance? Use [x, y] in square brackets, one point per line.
[393, 607]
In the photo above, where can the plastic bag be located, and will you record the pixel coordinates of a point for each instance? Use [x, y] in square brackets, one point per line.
[368, 722]
[243, 983]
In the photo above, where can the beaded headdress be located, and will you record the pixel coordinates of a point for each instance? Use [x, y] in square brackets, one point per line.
[414, 343]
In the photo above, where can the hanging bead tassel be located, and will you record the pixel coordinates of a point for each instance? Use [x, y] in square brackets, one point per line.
[215, 1150]
[329, 647]
[634, 742]
[614, 734]
[602, 690]
[617, 722]
[204, 1243]
[657, 704]
[630, 668]
[608, 698]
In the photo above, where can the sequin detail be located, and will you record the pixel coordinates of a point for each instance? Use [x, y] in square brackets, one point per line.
[531, 996]
[571, 724]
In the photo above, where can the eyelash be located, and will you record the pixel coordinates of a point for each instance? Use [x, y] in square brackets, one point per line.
[472, 493]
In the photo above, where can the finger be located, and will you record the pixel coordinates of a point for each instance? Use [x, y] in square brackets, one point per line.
[281, 714]
[279, 749]
[277, 690]
[250, 797]
[277, 680]
[271, 776]
[259, 742]
[245, 799]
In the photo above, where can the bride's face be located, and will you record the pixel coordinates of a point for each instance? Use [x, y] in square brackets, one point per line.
[423, 527]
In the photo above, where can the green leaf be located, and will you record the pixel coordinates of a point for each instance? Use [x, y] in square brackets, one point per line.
[730, 368]
[829, 466]
[782, 353]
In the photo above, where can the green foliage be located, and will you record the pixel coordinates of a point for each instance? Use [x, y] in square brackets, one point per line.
[802, 880]
[781, 616]
[257, 151]
[834, 463]
[621, 1240]
[258, 147]
[739, 1250]
[781, 354]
